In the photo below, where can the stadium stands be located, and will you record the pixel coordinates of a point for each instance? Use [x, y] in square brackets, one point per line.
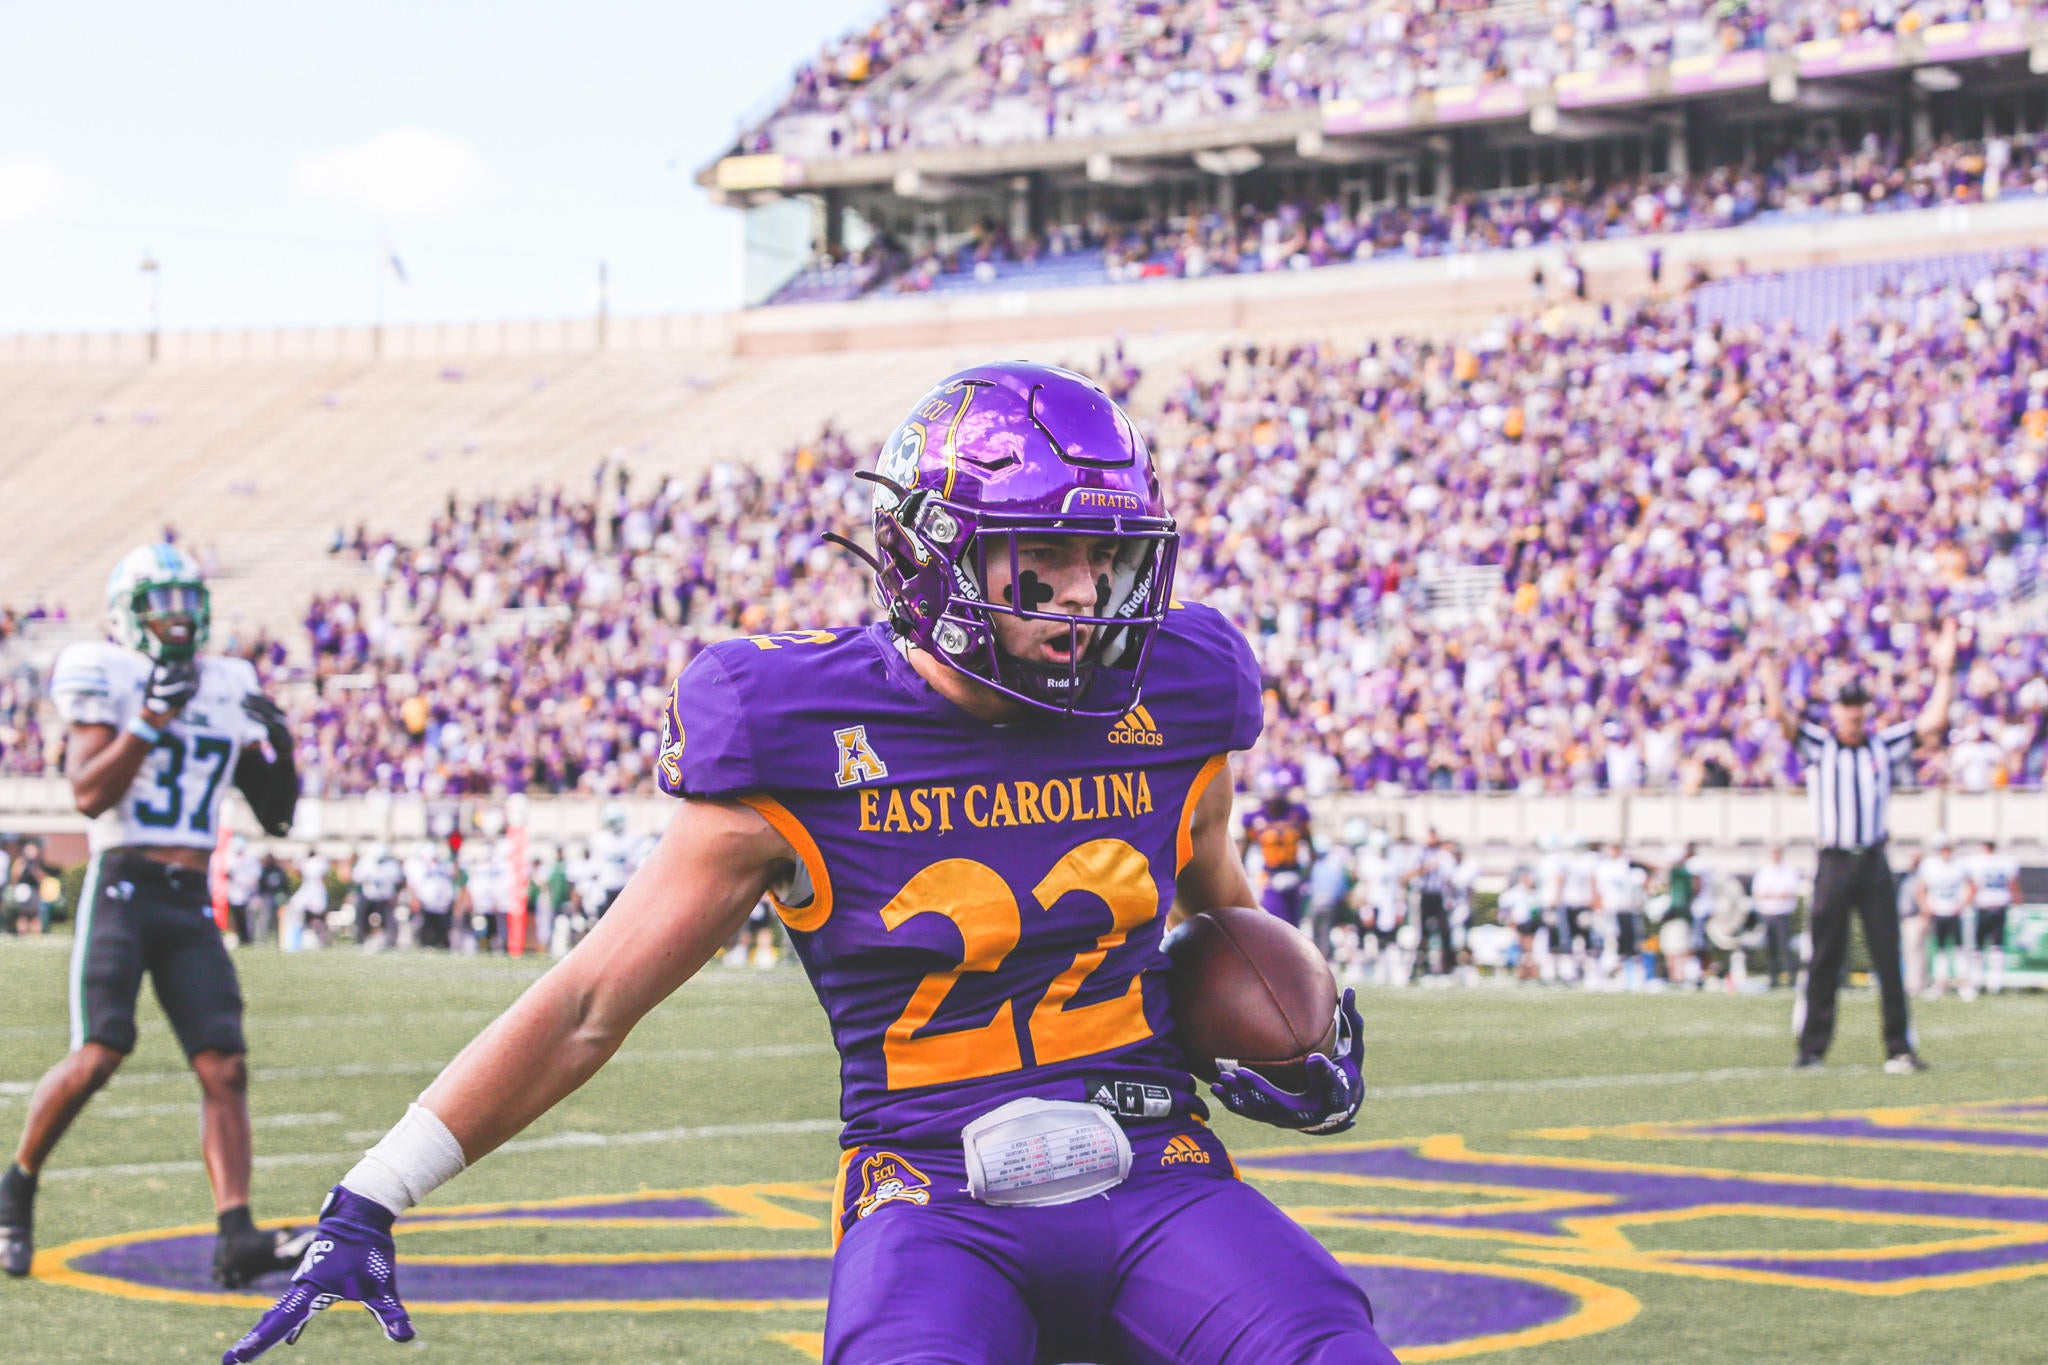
[1656, 503]
[1076, 68]
[1800, 184]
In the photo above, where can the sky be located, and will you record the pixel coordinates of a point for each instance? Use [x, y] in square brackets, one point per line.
[271, 159]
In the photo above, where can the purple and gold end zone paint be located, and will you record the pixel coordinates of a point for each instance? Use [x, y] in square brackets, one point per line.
[1984, 1128]
[1569, 1211]
[1430, 1308]
[1546, 1216]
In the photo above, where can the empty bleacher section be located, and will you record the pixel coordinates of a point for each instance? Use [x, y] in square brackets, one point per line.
[1815, 301]
[259, 460]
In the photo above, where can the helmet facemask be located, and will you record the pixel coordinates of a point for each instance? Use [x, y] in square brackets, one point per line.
[168, 621]
[939, 554]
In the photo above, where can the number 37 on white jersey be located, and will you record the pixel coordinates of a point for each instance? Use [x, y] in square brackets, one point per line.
[175, 798]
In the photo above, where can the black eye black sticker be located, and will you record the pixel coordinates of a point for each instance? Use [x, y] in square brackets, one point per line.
[1035, 593]
[1101, 593]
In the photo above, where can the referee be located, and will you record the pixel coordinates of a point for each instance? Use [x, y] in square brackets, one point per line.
[1849, 776]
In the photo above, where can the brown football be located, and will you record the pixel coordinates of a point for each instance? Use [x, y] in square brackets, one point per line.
[1250, 990]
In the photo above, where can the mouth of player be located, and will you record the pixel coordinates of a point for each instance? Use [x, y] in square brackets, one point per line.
[1063, 646]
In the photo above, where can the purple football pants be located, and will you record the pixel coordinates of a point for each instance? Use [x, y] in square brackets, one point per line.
[1284, 904]
[1179, 1265]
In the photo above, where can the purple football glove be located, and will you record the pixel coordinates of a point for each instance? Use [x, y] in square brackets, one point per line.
[350, 1259]
[1336, 1086]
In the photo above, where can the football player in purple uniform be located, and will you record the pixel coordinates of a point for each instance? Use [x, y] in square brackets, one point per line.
[1279, 831]
[976, 836]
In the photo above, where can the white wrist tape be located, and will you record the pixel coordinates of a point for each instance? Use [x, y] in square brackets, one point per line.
[412, 1161]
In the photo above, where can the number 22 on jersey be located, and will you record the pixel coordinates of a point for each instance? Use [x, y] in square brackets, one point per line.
[985, 910]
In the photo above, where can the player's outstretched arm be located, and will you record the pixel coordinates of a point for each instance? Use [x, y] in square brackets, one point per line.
[709, 870]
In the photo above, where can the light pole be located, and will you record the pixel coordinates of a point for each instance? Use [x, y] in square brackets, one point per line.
[155, 272]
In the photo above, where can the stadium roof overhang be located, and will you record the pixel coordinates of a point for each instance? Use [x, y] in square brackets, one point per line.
[1865, 70]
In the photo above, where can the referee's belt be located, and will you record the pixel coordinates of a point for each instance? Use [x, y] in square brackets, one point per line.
[1857, 852]
[127, 865]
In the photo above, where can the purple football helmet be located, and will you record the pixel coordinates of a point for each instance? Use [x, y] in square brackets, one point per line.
[1012, 450]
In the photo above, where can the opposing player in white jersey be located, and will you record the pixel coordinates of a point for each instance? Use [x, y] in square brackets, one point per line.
[1945, 893]
[156, 734]
[1996, 877]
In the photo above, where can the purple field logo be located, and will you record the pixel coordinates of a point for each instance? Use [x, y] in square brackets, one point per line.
[1547, 1226]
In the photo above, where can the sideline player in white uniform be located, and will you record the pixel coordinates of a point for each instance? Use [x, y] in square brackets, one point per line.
[1997, 879]
[1945, 892]
[614, 854]
[1575, 919]
[379, 879]
[1386, 901]
[1619, 887]
[156, 734]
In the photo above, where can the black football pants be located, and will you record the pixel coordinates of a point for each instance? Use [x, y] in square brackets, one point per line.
[1853, 883]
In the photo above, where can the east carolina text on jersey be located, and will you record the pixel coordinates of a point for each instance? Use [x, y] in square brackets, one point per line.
[984, 923]
[992, 805]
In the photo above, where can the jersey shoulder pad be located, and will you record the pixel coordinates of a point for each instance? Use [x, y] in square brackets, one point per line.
[1203, 678]
[737, 709]
[90, 681]
[233, 671]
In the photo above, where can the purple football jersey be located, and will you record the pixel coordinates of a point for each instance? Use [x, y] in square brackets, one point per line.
[986, 901]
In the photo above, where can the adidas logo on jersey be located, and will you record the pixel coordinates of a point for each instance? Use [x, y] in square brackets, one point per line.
[1137, 727]
[1184, 1150]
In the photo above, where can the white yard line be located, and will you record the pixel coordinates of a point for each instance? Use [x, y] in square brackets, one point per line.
[157, 1111]
[348, 1070]
[260, 1024]
[651, 1137]
[549, 1143]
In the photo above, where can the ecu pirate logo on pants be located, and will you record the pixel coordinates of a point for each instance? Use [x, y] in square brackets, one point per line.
[887, 1178]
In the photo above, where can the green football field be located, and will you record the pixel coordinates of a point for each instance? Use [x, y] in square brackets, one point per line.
[1523, 1185]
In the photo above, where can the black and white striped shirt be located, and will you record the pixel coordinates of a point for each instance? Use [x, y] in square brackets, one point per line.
[1852, 788]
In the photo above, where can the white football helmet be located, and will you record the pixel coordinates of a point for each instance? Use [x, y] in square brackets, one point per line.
[159, 583]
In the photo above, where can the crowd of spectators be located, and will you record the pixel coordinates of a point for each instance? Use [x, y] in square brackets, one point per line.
[1046, 69]
[1871, 177]
[1665, 502]
[22, 734]
[1659, 500]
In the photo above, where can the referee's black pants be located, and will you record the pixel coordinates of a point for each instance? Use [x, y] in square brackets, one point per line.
[1855, 882]
[1434, 953]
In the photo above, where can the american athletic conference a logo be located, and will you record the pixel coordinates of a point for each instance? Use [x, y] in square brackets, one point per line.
[1137, 727]
[858, 762]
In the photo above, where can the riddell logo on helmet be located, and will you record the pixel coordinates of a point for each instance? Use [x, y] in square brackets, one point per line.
[1137, 728]
[1103, 500]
